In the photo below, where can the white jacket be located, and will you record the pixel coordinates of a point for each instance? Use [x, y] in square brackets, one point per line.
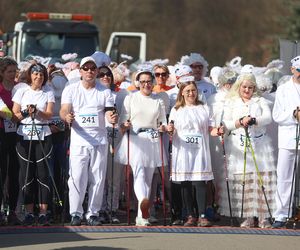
[286, 101]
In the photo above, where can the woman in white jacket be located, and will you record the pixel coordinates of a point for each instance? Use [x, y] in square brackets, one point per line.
[246, 109]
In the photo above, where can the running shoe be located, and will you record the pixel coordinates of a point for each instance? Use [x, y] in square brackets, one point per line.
[94, 221]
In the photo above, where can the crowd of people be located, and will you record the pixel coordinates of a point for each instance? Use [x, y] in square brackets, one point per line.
[85, 136]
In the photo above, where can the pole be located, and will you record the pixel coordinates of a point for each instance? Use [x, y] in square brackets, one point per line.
[47, 163]
[226, 177]
[258, 173]
[112, 170]
[163, 174]
[128, 176]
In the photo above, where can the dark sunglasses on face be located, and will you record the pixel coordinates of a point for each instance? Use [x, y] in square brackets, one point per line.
[161, 74]
[146, 82]
[102, 74]
[196, 66]
[298, 70]
[86, 68]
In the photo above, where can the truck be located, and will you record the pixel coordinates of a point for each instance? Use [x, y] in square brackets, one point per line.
[55, 34]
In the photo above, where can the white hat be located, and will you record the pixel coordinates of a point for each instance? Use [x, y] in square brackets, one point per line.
[214, 74]
[193, 58]
[296, 62]
[144, 68]
[101, 59]
[183, 73]
[227, 75]
[247, 68]
[86, 60]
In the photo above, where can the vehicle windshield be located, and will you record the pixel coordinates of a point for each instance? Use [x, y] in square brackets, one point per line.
[55, 45]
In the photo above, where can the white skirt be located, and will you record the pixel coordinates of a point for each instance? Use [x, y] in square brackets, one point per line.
[143, 151]
[254, 200]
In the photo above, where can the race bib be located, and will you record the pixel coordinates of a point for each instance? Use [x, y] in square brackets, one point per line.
[252, 140]
[35, 133]
[9, 126]
[88, 120]
[153, 135]
[192, 140]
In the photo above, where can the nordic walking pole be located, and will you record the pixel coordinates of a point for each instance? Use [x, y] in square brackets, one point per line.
[128, 176]
[170, 169]
[244, 176]
[47, 163]
[65, 183]
[226, 177]
[27, 163]
[163, 174]
[295, 165]
[112, 165]
[257, 171]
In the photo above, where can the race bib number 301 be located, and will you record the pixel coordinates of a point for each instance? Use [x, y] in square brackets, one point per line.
[192, 140]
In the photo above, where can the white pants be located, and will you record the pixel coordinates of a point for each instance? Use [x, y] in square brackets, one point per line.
[142, 179]
[87, 169]
[285, 167]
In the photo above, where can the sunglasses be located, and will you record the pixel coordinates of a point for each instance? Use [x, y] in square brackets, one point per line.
[161, 74]
[298, 70]
[86, 68]
[196, 66]
[144, 82]
[102, 74]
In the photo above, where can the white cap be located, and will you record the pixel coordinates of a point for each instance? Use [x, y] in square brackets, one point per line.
[86, 60]
[296, 62]
[183, 73]
[101, 59]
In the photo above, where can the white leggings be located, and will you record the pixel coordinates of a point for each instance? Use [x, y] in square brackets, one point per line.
[142, 179]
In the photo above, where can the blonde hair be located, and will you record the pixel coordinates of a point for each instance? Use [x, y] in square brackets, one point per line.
[235, 89]
[161, 66]
[180, 102]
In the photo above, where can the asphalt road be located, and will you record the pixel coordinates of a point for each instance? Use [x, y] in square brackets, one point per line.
[122, 241]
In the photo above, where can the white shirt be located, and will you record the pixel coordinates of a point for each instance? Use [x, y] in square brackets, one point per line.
[286, 101]
[143, 111]
[206, 88]
[88, 104]
[2, 104]
[25, 96]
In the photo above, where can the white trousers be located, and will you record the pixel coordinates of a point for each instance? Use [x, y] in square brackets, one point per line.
[87, 170]
[142, 180]
[285, 167]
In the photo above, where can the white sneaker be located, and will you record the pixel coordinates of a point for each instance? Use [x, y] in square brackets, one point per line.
[153, 220]
[249, 223]
[141, 222]
[265, 223]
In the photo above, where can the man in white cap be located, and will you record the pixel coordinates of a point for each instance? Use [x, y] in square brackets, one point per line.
[85, 105]
[286, 113]
[199, 66]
